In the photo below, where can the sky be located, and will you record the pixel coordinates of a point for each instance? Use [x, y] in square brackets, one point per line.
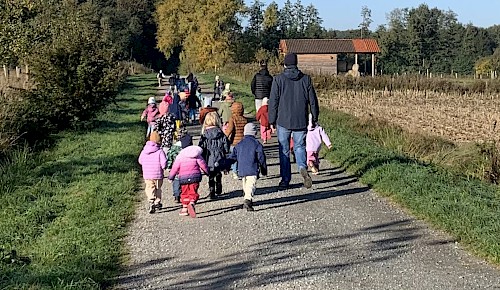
[343, 15]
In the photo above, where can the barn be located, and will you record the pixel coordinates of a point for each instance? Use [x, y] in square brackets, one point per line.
[321, 56]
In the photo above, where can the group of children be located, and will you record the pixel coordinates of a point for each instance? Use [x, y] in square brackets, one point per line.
[227, 143]
[170, 147]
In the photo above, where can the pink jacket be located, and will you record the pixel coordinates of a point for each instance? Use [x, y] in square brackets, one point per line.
[188, 165]
[151, 113]
[153, 161]
[315, 136]
[167, 100]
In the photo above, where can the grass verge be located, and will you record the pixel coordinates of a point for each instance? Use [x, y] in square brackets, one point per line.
[64, 211]
[466, 208]
[241, 90]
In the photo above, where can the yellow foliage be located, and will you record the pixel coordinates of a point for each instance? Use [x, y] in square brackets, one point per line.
[202, 28]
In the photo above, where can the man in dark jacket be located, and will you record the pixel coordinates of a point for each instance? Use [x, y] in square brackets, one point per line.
[261, 85]
[292, 99]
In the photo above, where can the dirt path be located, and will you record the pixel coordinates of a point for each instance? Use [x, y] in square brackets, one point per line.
[337, 235]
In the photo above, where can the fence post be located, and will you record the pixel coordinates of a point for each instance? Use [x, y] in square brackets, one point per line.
[18, 72]
[5, 72]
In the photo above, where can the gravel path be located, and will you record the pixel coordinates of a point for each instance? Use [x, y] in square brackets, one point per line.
[337, 235]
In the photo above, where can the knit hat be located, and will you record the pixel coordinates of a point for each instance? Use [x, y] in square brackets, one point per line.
[249, 129]
[155, 137]
[151, 100]
[290, 59]
[265, 101]
[186, 141]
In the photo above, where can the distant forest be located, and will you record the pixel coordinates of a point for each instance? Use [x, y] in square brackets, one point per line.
[203, 34]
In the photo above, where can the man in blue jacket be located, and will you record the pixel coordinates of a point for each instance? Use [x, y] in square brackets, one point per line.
[292, 99]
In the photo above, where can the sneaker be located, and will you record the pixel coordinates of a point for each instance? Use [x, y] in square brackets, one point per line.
[191, 210]
[248, 205]
[283, 185]
[212, 196]
[307, 178]
[159, 206]
[177, 199]
[151, 208]
[184, 212]
[314, 169]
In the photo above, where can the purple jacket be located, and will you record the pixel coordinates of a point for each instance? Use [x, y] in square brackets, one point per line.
[153, 161]
[188, 165]
[315, 136]
[151, 113]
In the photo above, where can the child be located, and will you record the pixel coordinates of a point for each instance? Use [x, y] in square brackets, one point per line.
[165, 103]
[165, 125]
[182, 142]
[249, 154]
[153, 161]
[189, 165]
[315, 135]
[234, 130]
[176, 110]
[226, 91]
[225, 110]
[262, 117]
[215, 147]
[150, 113]
[218, 87]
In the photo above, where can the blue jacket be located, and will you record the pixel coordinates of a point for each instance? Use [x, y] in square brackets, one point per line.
[249, 154]
[292, 98]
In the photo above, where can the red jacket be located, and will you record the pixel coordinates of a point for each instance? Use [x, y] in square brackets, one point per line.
[262, 116]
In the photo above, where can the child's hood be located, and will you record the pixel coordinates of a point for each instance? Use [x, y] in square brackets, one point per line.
[214, 133]
[192, 151]
[237, 109]
[151, 147]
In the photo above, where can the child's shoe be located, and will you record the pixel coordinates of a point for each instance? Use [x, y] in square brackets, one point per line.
[159, 206]
[191, 210]
[184, 211]
[177, 199]
[151, 208]
[247, 204]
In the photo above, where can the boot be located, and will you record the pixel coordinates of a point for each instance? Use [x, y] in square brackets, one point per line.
[248, 205]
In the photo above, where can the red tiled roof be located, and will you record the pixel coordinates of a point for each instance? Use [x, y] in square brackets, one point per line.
[318, 46]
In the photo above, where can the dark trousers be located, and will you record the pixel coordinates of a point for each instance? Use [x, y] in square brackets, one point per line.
[215, 182]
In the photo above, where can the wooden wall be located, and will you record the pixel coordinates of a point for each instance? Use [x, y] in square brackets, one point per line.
[318, 63]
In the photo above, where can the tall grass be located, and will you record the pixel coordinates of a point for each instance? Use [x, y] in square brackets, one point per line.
[63, 211]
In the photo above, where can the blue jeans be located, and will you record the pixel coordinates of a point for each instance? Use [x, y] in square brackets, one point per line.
[192, 114]
[176, 187]
[299, 147]
[234, 166]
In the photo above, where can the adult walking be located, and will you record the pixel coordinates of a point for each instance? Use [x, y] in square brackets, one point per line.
[292, 99]
[261, 85]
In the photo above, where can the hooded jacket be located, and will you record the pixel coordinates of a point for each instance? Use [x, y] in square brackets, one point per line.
[261, 84]
[249, 154]
[316, 135]
[151, 112]
[188, 165]
[292, 99]
[153, 161]
[163, 109]
[225, 109]
[263, 115]
[215, 147]
[236, 124]
[175, 107]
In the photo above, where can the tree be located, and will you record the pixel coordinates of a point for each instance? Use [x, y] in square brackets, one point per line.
[286, 16]
[364, 26]
[204, 30]
[271, 24]
[313, 28]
